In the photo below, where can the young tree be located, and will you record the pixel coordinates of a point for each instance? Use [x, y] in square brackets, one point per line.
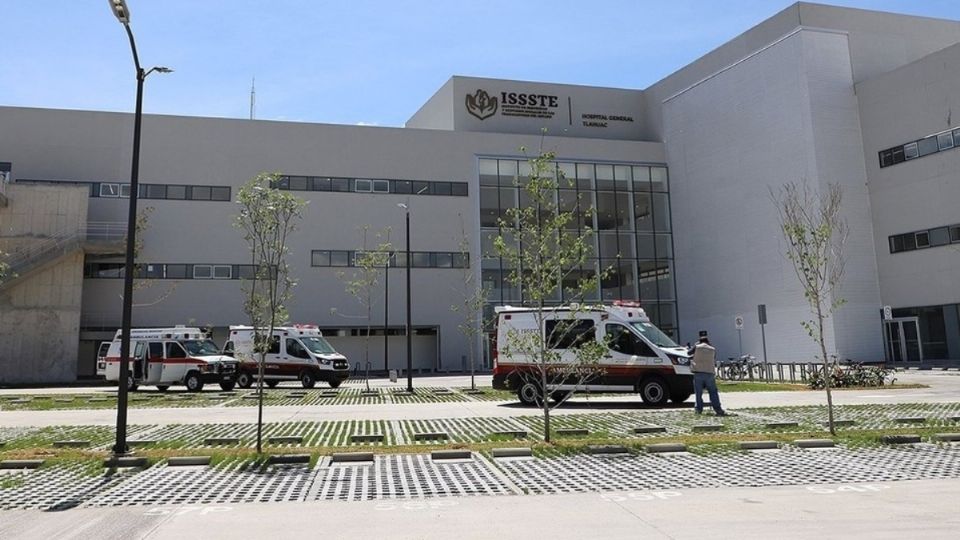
[815, 233]
[546, 252]
[140, 284]
[368, 263]
[474, 298]
[267, 218]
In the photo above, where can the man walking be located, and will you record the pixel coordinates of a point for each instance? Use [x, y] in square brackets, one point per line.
[704, 370]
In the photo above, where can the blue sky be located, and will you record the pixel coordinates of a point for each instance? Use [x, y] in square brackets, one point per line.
[362, 61]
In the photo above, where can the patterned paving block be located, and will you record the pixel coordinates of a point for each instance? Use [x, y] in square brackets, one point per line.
[58, 487]
[227, 483]
[406, 477]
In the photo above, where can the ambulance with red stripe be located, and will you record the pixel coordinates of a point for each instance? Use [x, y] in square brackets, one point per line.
[639, 358]
[164, 357]
[297, 353]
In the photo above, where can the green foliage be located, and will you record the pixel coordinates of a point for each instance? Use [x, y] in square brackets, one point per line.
[5, 272]
[368, 263]
[471, 306]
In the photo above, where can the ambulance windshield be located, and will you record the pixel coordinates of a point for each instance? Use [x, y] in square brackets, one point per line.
[200, 347]
[317, 345]
[654, 334]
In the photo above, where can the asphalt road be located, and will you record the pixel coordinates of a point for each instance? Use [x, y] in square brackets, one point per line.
[920, 509]
[944, 386]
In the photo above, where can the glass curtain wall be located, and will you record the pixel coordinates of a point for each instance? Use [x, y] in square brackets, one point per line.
[628, 208]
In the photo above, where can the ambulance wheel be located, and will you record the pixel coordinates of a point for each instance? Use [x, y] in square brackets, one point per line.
[529, 394]
[244, 379]
[227, 386]
[334, 383]
[131, 384]
[194, 382]
[654, 391]
[273, 384]
[163, 387]
[308, 380]
[680, 397]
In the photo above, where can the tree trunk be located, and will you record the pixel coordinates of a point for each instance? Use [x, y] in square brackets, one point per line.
[827, 371]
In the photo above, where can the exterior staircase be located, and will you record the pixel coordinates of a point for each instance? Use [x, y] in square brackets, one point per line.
[101, 238]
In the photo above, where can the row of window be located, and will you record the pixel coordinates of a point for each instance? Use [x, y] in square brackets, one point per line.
[397, 259]
[930, 144]
[107, 270]
[372, 185]
[584, 176]
[940, 236]
[115, 190]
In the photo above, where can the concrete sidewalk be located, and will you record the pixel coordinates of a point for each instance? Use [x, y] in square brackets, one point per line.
[892, 510]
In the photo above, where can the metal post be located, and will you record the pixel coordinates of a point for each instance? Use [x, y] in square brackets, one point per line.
[120, 447]
[386, 315]
[740, 340]
[409, 329]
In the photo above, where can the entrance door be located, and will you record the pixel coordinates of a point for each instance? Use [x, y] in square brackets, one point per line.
[902, 336]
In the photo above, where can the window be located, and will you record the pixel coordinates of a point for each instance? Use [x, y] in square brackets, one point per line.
[319, 258]
[459, 189]
[955, 234]
[152, 271]
[202, 271]
[155, 350]
[910, 151]
[219, 193]
[421, 259]
[927, 146]
[939, 236]
[274, 345]
[381, 186]
[444, 260]
[339, 258]
[125, 191]
[245, 271]
[909, 242]
[298, 183]
[569, 334]
[228, 348]
[200, 193]
[896, 244]
[176, 271]
[321, 184]
[295, 349]
[945, 141]
[620, 339]
[109, 190]
[923, 240]
[155, 191]
[420, 188]
[402, 186]
[441, 188]
[339, 184]
[177, 192]
[222, 271]
[362, 185]
[174, 350]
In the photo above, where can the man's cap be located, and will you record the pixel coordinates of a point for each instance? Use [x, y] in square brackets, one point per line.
[703, 333]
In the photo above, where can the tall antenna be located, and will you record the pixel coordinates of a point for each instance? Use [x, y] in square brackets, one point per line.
[253, 98]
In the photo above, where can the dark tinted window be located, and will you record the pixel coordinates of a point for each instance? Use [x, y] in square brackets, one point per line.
[220, 193]
[176, 192]
[156, 350]
[459, 189]
[200, 193]
[174, 350]
[569, 334]
[622, 340]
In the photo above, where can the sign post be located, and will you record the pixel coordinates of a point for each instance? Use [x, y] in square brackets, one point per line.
[762, 316]
[738, 323]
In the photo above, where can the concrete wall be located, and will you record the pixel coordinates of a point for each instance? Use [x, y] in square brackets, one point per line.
[899, 107]
[40, 311]
[783, 115]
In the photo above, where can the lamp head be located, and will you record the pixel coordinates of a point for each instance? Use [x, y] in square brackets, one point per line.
[120, 10]
[402, 205]
[161, 69]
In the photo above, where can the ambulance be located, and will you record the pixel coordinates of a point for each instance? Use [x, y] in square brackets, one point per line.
[163, 357]
[297, 352]
[639, 357]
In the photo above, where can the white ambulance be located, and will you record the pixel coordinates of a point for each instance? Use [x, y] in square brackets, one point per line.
[163, 357]
[297, 352]
[640, 358]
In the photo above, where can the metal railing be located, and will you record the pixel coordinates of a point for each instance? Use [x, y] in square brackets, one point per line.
[63, 241]
[770, 372]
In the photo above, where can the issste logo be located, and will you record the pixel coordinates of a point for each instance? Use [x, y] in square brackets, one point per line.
[481, 105]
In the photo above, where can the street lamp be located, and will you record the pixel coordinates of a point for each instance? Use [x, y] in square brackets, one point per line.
[406, 207]
[120, 10]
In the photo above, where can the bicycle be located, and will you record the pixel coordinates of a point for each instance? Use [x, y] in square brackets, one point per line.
[738, 369]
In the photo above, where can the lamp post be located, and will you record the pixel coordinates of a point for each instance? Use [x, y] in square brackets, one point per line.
[120, 10]
[406, 207]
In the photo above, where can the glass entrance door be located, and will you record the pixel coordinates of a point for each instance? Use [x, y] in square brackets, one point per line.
[902, 338]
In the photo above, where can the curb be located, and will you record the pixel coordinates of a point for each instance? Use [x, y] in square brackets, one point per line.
[450, 454]
[509, 433]
[947, 437]
[780, 425]
[572, 431]
[700, 428]
[128, 461]
[661, 448]
[21, 463]
[434, 436]
[900, 439]
[814, 443]
[512, 452]
[71, 444]
[649, 429]
[910, 420]
[219, 441]
[351, 457]
[292, 439]
[839, 423]
[607, 449]
[759, 445]
[186, 461]
[288, 459]
[368, 437]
